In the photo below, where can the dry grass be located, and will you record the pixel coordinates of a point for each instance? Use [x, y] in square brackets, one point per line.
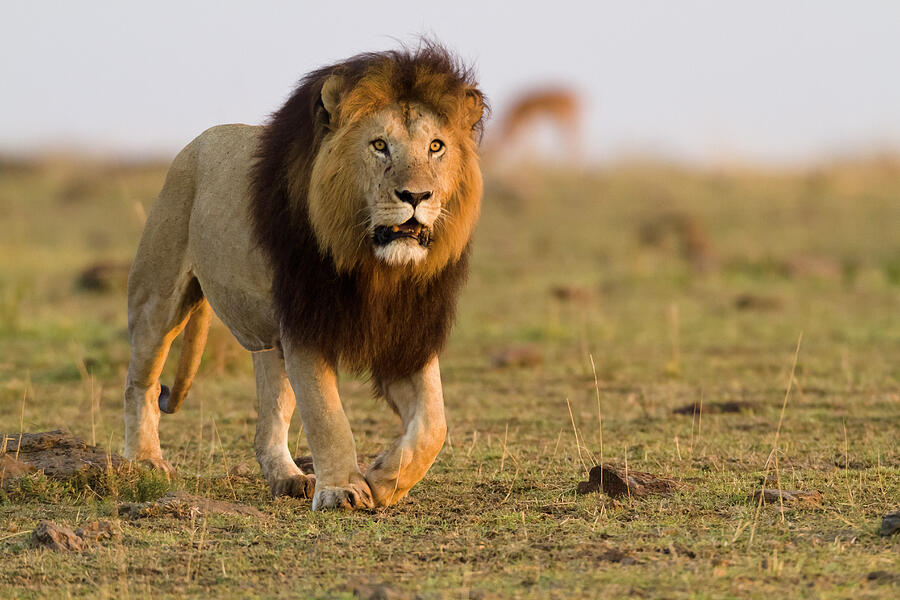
[638, 332]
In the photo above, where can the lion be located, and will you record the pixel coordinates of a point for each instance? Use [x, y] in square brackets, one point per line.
[335, 236]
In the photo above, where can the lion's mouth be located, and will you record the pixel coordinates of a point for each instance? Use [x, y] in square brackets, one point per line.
[412, 229]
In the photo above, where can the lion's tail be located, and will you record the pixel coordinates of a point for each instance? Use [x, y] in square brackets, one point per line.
[191, 350]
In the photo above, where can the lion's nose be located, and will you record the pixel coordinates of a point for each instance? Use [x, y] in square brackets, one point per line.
[412, 197]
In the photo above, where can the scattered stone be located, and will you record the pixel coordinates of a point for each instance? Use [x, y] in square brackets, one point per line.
[772, 496]
[99, 531]
[182, 505]
[750, 301]
[56, 537]
[11, 469]
[613, 481]
[526, 355]
[890, 524]
[60, 455]
[714, 408]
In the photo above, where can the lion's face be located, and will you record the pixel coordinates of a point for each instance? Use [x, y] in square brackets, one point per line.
[399, 183]
[409, 160]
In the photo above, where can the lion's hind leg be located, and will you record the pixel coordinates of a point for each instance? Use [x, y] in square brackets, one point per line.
[154, 320]
[276, 405]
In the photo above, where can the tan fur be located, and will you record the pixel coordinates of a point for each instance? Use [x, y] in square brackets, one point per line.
[198, 253]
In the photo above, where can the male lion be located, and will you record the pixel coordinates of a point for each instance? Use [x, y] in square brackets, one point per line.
[337, 234]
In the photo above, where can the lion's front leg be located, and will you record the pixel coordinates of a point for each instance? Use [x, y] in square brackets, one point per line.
[276, 405]
[339, 482]
[419, 401]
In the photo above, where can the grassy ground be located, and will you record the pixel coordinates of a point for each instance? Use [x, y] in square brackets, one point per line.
[680, 285]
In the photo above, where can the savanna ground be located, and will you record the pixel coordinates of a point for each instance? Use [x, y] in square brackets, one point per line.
[611, 265]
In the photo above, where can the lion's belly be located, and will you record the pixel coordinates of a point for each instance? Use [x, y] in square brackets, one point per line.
[231, 269]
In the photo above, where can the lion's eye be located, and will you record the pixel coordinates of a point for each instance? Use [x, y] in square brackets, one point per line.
[436, 146]
[380, 145]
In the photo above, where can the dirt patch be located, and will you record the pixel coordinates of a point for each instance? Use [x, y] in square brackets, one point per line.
[56, 537]
[890, 524]
[616, 482]
[182, 505]
[714, 408]
[795, 497]
[59, 454]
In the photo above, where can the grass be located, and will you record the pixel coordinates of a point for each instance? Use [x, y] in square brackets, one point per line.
[560, 266]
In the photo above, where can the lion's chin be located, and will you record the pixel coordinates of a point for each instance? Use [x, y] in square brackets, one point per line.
[404, 251]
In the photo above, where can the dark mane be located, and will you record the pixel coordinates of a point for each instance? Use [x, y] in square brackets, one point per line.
[367, 318]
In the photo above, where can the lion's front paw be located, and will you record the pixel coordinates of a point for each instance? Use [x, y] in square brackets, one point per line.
[385, 488]
[157, 464]
[350, 497]
[296, 486]
[385, 481]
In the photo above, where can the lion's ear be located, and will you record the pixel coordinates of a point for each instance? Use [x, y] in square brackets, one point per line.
[474, 106]
[332, 90]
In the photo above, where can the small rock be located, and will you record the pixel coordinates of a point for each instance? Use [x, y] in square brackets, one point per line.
[890, 524]
[526, 355]
[56, 537]
[614, 482]
[99, 531]
[182, 505]
[772, 496]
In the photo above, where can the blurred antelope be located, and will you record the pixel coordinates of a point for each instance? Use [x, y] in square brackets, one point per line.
[559, 106]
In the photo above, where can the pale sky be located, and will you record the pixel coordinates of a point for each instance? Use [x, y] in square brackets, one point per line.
[703, 81]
